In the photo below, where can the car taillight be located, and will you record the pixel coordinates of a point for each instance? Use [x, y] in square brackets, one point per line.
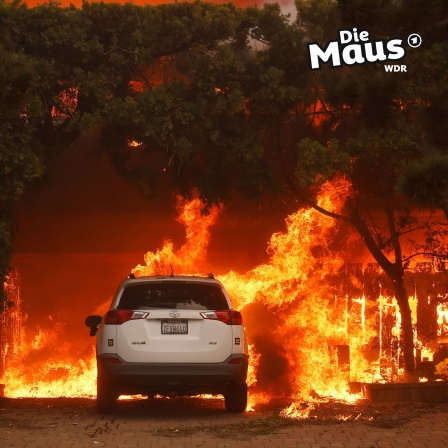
[118, 317]
[229, 317]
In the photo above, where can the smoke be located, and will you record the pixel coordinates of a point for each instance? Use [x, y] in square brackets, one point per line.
[262, 324]
[83, 228]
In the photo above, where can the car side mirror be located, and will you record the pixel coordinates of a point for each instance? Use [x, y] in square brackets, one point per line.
[92, 322]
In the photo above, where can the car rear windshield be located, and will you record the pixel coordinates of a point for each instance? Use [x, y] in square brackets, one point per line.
[173, 295]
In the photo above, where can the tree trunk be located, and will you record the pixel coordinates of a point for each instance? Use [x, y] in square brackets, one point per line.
[407, 333]
[395, 272]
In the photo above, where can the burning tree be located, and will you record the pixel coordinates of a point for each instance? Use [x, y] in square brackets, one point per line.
[10, 337]
[257, 120]
[261, 120]
[368, 127]
[223, 99]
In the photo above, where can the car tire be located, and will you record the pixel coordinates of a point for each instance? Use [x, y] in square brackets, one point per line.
[236, 398]
[106, 396]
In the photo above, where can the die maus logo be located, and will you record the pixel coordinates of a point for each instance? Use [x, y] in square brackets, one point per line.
[355, 47]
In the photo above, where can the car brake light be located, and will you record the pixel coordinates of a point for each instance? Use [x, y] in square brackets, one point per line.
[118, 317]
[229, 317]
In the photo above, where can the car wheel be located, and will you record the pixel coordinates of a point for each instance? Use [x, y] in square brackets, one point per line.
[106, 395]
[236, 398]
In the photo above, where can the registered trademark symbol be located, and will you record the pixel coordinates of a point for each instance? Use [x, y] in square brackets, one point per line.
[415, 40]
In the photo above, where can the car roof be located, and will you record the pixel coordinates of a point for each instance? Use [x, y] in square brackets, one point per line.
[171, 278]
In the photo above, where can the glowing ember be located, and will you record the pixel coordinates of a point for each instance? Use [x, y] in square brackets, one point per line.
[297, 410]
[67, 103]
[134, 144]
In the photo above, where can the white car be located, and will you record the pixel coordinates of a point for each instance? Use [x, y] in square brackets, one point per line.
[171, 335]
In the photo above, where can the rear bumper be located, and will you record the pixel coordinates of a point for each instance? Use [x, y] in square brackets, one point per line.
[167, 378]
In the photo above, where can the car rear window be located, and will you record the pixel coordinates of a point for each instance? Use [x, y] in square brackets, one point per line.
[173, 295]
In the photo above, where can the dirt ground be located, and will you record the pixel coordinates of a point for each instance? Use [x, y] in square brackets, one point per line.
[178, 417]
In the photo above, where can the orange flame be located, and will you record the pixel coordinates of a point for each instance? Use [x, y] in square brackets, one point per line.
[45, 368]
[306, 337]
[190, 258]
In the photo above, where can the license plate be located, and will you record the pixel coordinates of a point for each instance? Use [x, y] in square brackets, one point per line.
[174, 327]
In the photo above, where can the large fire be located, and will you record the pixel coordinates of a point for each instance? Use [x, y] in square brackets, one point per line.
[313, 332]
